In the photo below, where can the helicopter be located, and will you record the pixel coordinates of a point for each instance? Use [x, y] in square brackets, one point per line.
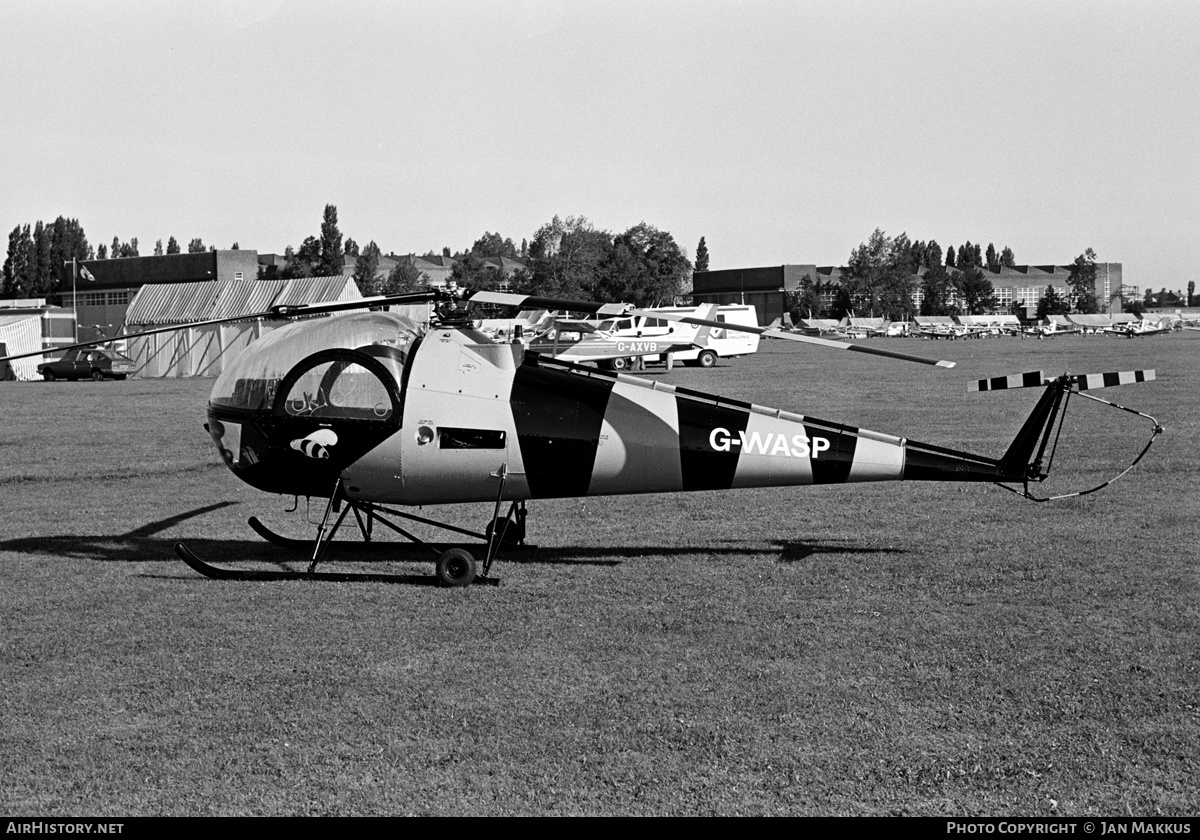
[374, 412]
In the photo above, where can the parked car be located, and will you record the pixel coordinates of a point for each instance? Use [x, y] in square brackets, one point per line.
[88, 363]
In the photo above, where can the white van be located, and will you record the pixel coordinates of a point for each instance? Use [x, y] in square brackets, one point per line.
[712, 344]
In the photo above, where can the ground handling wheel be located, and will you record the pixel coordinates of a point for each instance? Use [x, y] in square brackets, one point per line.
[706, 359]
[455, 567]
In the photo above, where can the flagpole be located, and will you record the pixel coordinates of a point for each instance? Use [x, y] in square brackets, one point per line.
[75, 295]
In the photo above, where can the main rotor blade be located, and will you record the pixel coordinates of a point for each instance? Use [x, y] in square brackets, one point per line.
[275, 312]
[535, 302]
[770, 332]
[112, 338]
[531, 302]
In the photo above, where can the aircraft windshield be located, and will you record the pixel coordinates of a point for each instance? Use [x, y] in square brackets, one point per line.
[250, 383]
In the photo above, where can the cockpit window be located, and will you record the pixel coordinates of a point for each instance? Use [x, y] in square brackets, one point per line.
[252, 381]
[340, 389]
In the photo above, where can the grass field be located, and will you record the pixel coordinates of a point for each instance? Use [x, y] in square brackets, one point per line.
[922, 649]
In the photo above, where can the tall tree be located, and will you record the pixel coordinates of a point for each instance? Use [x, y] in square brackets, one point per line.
[1082, 282]
[1052, 303]
[1007, 257]
[702, 256]
[158, 248]
[933, 254]
[67, 242]
[333, 257]
[978, 293]
[950, 257]
[564, 256]
[993, 259]
[471, 272]
[45, 276]
[644, 266]
[939, 291]
[966, 257]
[807, 301]
[493, 245]
[172, 246]
[365, 266]
[304, 262]
[351, 248]
[404, 278]
[196, 246]
[15, 265]
[879, 276]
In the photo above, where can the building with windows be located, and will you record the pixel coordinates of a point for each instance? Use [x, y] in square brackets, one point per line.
[768, 288]
[100, 291]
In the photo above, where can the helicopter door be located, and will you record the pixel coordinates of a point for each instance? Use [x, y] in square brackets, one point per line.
[332, 409]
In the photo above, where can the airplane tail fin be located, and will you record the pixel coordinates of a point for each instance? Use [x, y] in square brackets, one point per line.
[1031, 453]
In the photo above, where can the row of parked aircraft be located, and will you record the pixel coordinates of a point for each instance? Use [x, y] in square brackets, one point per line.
[630, 340]
[947, 329]
[627, 341]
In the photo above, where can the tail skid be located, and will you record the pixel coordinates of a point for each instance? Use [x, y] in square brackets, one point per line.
[1031, 454]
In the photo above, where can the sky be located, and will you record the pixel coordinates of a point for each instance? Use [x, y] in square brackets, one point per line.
[781, 132]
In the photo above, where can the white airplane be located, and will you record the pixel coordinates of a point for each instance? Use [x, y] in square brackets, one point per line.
[1137, 328]
[1050, 329]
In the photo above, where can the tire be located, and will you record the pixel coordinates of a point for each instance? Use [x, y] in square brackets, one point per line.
[455, 567]
[707, 359]
[97, 375]
[619, 364]
[48, 375]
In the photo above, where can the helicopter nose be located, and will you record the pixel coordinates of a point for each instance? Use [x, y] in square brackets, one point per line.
[217, 430]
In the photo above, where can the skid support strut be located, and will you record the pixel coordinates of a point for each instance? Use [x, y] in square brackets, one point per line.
[512, 523]
[323, 536]
[459, 564]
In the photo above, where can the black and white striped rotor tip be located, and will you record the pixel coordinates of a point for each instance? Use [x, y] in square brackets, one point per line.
[1081, 382]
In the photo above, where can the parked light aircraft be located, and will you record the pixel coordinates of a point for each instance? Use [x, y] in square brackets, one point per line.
[1050, 329]
[374, 412]
[1136, 329]
[584, 341]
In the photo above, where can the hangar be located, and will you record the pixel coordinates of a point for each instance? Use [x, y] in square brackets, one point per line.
[206, 350]
[768, 287]
[100, 291]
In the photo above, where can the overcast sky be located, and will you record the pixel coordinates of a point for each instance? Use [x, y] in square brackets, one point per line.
[782, 132]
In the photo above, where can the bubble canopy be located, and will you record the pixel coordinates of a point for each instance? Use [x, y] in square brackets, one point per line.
[250, 383]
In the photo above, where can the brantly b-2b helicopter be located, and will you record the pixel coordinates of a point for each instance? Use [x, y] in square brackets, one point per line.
[374, 412]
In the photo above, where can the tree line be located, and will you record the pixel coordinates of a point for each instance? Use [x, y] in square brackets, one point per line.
[566, 258]
[571, 258]
[884, 273]
[36, 254]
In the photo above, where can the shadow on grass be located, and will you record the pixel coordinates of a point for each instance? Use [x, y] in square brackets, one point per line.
[143, 544]
[793, 551]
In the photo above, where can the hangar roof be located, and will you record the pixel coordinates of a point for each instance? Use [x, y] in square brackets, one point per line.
[162, 304]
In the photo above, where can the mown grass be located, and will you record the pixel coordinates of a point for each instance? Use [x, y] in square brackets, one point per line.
[875, 649]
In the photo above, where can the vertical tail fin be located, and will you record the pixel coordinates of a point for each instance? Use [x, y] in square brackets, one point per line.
[1023, 460]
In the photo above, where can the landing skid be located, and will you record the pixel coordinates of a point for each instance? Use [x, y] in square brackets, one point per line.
[299, 546]
[221, 573]
[453, 566]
